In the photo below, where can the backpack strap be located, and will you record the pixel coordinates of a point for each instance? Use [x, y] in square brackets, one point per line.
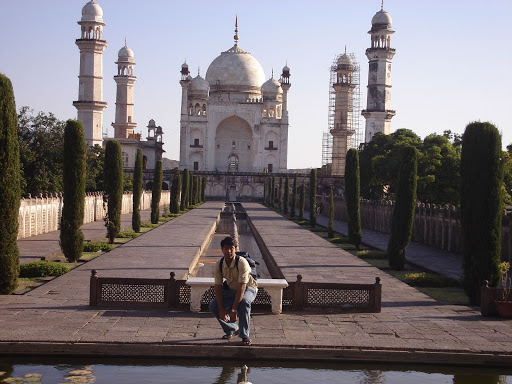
[222, 262]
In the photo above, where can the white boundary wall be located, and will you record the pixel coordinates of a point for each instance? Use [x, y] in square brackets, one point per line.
[42, 214]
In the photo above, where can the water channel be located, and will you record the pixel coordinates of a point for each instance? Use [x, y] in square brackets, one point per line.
[127, 371]
[233, 222]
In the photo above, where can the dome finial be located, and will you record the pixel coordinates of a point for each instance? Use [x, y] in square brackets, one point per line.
[382, 5]
[198, 71]
[125, 43]
[345, 49]
[272, 72]
[236, 30]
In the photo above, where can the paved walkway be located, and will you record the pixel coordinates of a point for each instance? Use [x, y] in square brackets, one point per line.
[56, 318]
[430, 258]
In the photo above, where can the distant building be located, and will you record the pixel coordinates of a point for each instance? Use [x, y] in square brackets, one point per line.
[378, 111]
[233, 121]
[90, 94]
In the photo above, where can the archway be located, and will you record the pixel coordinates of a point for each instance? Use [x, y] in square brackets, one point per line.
[233, 137]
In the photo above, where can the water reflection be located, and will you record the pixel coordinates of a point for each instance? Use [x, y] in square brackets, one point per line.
[155, 371]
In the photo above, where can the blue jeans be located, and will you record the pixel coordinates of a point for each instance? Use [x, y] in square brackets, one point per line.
[244, 311]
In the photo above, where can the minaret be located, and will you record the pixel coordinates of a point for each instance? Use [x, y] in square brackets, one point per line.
[378, 111]
[342, 131]
[90, 87]
[184, 82]
[285, 86]
[125, 79]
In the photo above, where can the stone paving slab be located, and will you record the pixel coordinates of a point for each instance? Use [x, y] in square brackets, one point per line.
[56, 319]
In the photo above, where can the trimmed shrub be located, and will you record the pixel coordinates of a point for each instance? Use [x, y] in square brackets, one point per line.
[353, 197]
[272, 191]
[280, 194]
[184, 190]
[156, 192]
[95, 246]
[175, 192]
[9, 188]
[425, 279]
[481, 207]
[403, 212]
[127, 235]
[293, 209]
[190, 186]
[203, 189]
[286, 199]
[113, 188]
[73, 178]
[330, 228]
[302, 202]
[43, 269]
[137, 191]
[373, 254]
[312, 198]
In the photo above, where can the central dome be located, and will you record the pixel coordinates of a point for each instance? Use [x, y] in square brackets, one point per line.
[235, 68]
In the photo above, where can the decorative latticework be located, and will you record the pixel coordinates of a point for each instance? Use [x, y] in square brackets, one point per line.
[332, 297]
[262, 298]
[144, 293]
[208, 296]
[288, 295]
[183, 295]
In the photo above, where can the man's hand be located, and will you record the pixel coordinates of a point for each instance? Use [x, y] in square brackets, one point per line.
[233, 316]
[223, 314]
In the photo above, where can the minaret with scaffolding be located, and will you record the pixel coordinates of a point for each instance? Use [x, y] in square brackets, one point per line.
[344, 106]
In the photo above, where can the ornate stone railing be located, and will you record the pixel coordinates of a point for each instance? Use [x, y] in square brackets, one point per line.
[196, 293]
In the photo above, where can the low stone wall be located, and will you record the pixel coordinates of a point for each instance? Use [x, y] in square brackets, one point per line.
[436, 226]
[42, 214]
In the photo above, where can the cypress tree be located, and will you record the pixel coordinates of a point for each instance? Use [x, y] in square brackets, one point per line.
[330, 229]
[156, 193]
[280, 194]
[352, 197]
[113, 188]
[193, 187]
[272, 191]
[294, 196]
[286, 202]
[137, 191]
[184, 190]
[481, 206]
[175, 192]
[9, 188]
[203, 189]
[302, 202]
[403, 212]
[312, 198]
[190, 184]
[73, 178]
[265, 191]
[198, 189]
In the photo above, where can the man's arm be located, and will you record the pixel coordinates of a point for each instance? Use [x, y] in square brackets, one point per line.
[218, 295]
[238, 298]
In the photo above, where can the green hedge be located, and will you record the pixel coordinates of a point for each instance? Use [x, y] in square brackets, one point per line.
[376, 255]
[424, 279]
[42, 269]
[93, 246]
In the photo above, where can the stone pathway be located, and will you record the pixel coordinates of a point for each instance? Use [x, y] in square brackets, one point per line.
[56, 318]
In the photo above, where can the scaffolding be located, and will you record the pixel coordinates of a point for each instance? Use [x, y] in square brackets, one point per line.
[358, 136]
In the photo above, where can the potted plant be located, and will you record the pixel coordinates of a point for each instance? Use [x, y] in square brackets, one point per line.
[504, 306]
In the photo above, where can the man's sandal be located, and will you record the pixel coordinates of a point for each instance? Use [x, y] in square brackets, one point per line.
[230, 335]
[246, 341]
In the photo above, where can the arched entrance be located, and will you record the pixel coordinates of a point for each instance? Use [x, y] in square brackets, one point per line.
[233, 146]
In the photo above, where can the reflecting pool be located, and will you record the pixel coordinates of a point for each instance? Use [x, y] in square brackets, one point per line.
[107, 370]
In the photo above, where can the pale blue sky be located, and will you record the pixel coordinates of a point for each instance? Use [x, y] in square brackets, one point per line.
[450, 66]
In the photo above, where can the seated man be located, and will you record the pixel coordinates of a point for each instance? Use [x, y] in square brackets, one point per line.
[234, 297]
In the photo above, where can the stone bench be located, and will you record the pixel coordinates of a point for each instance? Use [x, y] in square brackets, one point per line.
[199, 285]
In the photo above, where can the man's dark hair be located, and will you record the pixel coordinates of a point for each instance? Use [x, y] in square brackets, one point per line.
[227, 241]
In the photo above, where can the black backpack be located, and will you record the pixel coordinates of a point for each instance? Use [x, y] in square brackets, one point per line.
[245, 255]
